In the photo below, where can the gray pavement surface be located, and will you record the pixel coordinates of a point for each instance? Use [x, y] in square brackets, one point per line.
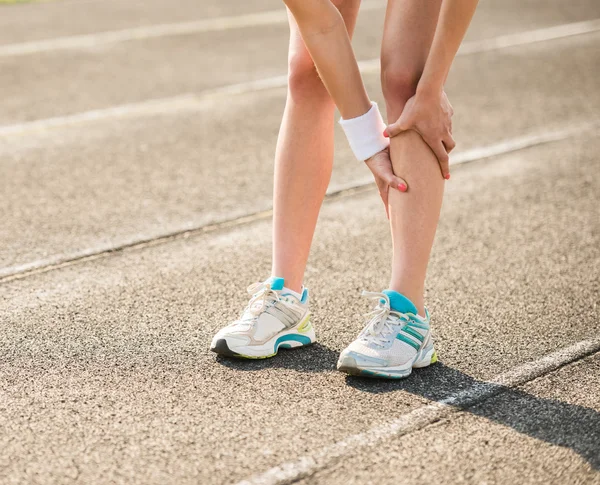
[544, 432]
[69, 81]
[104, 365]
[82, 188]
[54, 19]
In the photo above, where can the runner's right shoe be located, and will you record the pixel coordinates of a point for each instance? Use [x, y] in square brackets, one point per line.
[274, 318]
[395, 341]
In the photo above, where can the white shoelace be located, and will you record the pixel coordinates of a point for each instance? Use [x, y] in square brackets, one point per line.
[263, 296]
[381, 320]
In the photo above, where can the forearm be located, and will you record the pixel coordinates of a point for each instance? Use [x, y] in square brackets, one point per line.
[455, 17]
[326, 38]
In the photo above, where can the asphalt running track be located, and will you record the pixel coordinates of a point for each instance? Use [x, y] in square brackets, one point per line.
[124, 248]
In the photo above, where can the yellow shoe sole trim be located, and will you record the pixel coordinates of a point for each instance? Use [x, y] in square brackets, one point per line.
[305, 325]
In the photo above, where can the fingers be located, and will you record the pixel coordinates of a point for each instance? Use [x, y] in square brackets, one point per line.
[449, 142]
[442, 155]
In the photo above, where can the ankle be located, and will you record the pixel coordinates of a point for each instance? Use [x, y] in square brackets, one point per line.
[294, 284]
[415, 296]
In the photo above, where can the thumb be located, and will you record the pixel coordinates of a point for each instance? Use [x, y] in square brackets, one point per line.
[397, 183]
[400, 184]
[396, 128]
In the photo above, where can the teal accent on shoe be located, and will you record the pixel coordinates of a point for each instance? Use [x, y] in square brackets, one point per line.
[304, 295]
[400, 303]
[276, 283]
[418, 324]
[386, 374]
[365, 372]
[303, 339]
[408, 341]
[413, 333]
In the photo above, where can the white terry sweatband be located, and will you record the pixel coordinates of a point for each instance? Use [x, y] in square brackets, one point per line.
[365, 133]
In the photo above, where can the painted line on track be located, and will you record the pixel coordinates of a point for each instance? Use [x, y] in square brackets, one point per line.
[11, 273]
[99, 39]
[555, 32]
[195, 101]
[270, 17]
[424, 416]
[162, 106]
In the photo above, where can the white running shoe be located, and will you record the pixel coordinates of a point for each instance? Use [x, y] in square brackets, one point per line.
[274, 318]
[395, 341]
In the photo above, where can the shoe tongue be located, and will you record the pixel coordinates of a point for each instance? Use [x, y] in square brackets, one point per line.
[400, 303]
[276, 283]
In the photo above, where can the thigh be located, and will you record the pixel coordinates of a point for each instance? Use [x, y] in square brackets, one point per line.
[298, 55]
[407, 35]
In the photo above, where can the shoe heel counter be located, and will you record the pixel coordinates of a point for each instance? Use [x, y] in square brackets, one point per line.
[305, 297]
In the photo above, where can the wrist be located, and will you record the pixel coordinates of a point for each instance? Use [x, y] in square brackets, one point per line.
[429, 90]
[365, 133]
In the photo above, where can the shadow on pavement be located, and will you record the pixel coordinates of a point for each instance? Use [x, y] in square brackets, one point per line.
[313, 358]
[555, 422]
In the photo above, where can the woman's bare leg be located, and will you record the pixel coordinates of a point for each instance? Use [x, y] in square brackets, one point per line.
[408, 33]
[304, 157]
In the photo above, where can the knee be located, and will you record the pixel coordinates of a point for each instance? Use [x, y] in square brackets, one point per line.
[304, 83]
[398, 83]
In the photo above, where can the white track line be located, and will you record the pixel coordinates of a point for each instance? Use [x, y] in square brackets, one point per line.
[172, 105]
[514, 40]
[540, 35]
[9, 273]
[88, 41]
[424, 416]
[192, 102]
[176, 104]
[271, 17]
[488, 151]
[520, 142]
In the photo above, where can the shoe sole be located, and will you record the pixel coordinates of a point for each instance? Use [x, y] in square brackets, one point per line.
[424, 358]
[300, 336]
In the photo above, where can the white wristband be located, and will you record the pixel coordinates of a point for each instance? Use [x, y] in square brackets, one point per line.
[365, 133]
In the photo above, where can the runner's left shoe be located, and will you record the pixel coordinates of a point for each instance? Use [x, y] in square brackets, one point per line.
[395, 341]
[273, 319]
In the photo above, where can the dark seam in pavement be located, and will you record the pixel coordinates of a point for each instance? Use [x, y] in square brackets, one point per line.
[173, 236]
[229, 223]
